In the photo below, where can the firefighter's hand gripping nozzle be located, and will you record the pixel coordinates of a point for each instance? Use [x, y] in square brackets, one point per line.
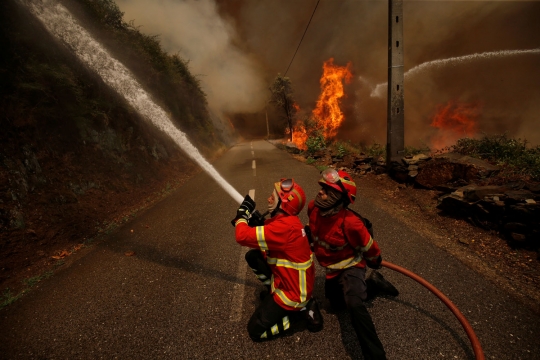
[245, 210]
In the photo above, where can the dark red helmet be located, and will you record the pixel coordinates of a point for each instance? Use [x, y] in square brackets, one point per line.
[292, 196]
[341, 181]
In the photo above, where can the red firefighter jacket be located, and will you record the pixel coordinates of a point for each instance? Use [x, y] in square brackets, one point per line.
[340, 241]
[288, 253]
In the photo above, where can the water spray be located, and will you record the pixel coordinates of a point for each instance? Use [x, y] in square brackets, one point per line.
[380, 89]
[59, 22]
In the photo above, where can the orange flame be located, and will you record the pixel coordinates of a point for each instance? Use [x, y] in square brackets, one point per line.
[327, 113]
[299, 132]
[454, 121]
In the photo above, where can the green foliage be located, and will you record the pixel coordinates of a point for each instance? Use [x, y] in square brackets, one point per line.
[514, 155]
[376, 150]
[30, 282]
[107, 12]
[411, 150]
[7, 298]
[315, 142]
[310, 160]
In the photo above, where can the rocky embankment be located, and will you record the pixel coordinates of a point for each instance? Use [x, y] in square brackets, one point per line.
[464, 189]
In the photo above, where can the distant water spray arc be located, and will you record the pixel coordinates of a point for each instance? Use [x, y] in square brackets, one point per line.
[380, 89]
[61, 24]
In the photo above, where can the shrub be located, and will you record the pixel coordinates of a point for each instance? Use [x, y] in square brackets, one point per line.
[315, 142]
[515, 156]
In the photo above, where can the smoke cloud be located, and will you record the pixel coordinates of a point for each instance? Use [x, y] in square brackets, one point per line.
[252, 41]
[230, 76]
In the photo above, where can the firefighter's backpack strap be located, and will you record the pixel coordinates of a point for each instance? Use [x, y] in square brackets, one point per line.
[367, 223]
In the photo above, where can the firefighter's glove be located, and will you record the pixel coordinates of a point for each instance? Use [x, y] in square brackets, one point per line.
[245, 210]
[375, 264]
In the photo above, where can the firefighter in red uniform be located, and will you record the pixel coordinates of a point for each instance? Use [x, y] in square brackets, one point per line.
[344, 246]
[282, 259]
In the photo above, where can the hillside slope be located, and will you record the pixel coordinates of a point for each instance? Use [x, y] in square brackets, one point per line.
[76, 159]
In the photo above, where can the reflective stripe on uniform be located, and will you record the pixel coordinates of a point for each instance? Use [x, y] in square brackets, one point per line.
[241, 220]
[367, 247]
[286, 323]
[302, 275]
[260, 238]
[327, 246]
[289, 264]
[347, 263]
[289, 302]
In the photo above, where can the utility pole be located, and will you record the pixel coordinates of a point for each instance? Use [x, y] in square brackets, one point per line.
[395, 113]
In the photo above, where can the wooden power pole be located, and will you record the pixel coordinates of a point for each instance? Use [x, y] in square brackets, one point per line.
[395, 113]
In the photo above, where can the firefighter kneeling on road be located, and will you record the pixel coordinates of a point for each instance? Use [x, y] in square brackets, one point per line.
[344, 246]
[282, 260]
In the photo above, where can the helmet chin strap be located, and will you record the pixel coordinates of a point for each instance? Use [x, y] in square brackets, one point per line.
[278, 208]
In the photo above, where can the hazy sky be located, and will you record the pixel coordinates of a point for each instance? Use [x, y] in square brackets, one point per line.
[237, 47]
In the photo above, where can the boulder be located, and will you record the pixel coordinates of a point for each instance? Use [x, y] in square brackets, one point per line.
[450, 167]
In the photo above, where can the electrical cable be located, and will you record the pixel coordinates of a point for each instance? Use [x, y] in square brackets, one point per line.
[479, 354]
[302, 37]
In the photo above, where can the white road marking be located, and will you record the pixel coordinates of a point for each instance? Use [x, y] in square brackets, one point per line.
[253, 164]
[252, 153]
[238, 289]
[254, 168]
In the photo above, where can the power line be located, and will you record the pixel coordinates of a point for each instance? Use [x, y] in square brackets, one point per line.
[302, 37]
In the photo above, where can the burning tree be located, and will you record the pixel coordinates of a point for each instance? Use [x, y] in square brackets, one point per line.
[282, 97]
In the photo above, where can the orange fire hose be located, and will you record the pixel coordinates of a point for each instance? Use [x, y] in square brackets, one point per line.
[468, 329]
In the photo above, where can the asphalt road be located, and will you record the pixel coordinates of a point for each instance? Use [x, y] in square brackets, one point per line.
[187, 293]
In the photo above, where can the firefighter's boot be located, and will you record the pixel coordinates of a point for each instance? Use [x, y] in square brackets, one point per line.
[313, 316]
[378, 285]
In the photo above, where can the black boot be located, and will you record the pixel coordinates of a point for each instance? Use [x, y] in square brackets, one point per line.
[377, 284]
[313, 316]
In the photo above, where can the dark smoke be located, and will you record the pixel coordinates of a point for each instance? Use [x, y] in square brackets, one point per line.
[266, 34]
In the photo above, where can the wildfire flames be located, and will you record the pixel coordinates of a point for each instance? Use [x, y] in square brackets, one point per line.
[300, 134]
[327, 113]
[454, 121]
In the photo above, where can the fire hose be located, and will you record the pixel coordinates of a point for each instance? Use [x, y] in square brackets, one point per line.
[468, 329]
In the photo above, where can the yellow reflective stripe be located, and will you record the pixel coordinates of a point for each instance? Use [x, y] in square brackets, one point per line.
[347, 182]
[367, 247]
[274, 329]
[264, 336]
[261, 277]
[347, 263]
[260, 238]
[299, 197]
[289, 302]
[303, 285]
[241, 220]
[267, 282]
[327, 246]
[286, 323]
[289, 264]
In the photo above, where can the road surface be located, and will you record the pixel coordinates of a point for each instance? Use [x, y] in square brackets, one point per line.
[187, 293]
